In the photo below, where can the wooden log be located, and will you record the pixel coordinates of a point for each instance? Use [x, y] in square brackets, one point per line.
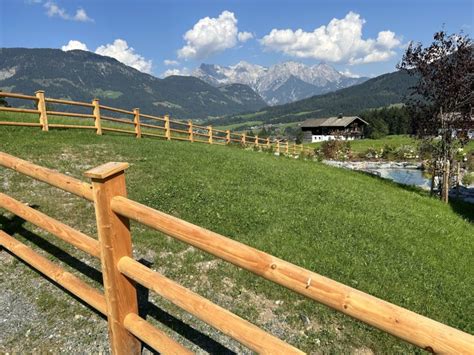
[227, 136]
[161, 119]
[256, 140]
[409, 326]
[287, 148]
[25, 124]
[113, 109]
[67, 280]
[17, 96]
[70, 114]
[96, 114]
[190, 131]
[154, 337]
[228, 323]
[51, 177]
[268, 142]
[178, 130]
[278, 147]
[49, 224]
[19, 110]
[108, 180]
[41, 106]
[244, 138]
[136, 123]
[69, 102]
[209, 132]
[151, 125]
[167, 127]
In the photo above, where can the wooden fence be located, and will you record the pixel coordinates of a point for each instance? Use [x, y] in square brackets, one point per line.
[121, 272]
[144, 125]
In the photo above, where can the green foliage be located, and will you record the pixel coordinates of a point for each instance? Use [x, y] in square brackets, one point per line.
[468, 179]
[336, 149]
[392, 120]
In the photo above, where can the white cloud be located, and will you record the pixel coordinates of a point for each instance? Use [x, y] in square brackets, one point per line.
[73, 44]
[244, 36]
[339, 41]
[169, 62]
[53, 10]
[350, 74]
[125, 54]
[176, 71]
[212, 35]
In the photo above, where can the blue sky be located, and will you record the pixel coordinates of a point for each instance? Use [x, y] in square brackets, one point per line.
[366, 38]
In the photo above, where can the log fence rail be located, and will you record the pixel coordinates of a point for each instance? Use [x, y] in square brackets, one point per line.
[121, 272]
[135, 120]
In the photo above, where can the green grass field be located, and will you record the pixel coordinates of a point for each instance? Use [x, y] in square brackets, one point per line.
[393, 242]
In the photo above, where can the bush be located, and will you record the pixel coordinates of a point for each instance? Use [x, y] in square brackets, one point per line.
[336, 149]
[468, 179]
[406, 152]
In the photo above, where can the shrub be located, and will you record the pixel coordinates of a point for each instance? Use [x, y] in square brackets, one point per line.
[468, 179]
[336, 149]
[406, 152]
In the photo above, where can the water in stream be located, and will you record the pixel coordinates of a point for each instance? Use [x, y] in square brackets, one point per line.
[405, 176]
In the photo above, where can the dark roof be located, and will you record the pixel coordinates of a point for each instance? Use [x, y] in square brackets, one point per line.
[331, 121]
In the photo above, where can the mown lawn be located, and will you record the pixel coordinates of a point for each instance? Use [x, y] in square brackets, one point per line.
[392, 242]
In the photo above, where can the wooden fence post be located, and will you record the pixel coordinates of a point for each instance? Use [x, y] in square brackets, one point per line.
[191, 132]
[136, 122]
[256, 140]
[43, 116]
[458, 178]
[167, 127]
[209, 130]
[446, 174]
[278, 146]
[96, 113]
[227, 136]
[287, 148]
[294, 148]
[244, 138]
[268, 142]
[108, 180]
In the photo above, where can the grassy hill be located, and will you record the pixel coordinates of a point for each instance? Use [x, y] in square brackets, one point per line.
[392, 242]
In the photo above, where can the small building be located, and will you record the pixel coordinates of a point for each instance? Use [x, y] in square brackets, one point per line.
[340, 127]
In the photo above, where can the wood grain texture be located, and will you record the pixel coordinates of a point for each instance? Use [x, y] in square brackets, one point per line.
[228, 323]
[67, 280]
[115, 240]
[97, 118]
[154, 337]
[136, 122]
[49, 224]
[41, 106]
[51, 177]
[407, 325]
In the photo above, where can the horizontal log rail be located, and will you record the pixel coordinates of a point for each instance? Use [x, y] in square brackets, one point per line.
[17, 96]
[25, 124]
[18, 110]
[221, 319]
[68, 102]
[119, 120]
[51, 177]
[154, 337]
[69, 114]
[66, 279]
[59, 229]
[409, 326]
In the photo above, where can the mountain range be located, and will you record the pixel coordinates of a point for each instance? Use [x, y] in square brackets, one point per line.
[82, 75]
[384, 90]
[280, 83]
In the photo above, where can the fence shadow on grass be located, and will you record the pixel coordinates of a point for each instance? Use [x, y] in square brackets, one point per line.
[15, 225]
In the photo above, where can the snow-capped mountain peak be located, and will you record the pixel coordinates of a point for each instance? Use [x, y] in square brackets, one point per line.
[281, 83]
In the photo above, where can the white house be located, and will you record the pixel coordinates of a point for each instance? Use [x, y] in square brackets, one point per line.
[340, 127]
